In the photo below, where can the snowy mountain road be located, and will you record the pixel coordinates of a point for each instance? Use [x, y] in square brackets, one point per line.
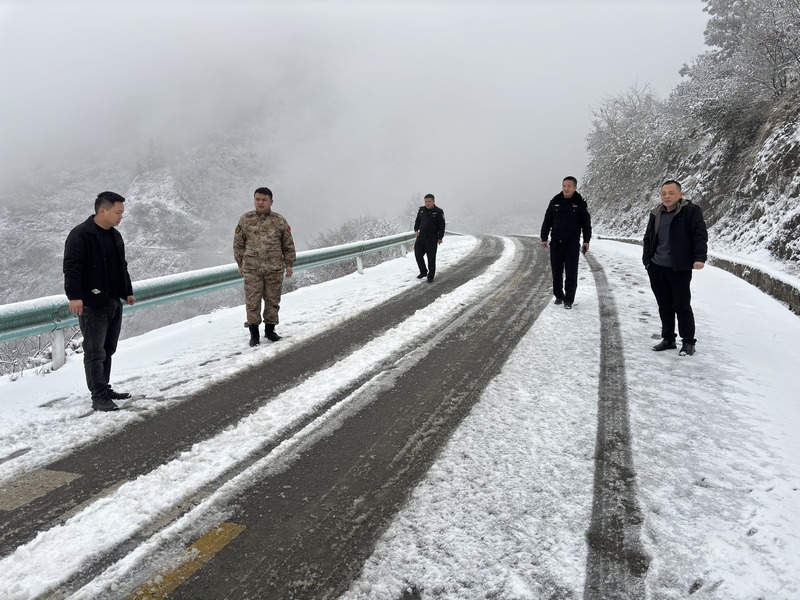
[144, 445]
[405, 453]
[336, 475]
[409, 416]
[308, 529]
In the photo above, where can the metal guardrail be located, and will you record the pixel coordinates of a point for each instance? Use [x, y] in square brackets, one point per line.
[51, 313]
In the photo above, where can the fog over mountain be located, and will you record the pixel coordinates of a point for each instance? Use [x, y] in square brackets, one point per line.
[343, 109]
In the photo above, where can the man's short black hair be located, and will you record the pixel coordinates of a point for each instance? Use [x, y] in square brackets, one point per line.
[671, 181]
[429, 196]
[264, 191]
[570, 178]
[106, 200]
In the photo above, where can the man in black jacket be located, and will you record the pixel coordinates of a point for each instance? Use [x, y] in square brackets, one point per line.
[675, 242]
[565, 219]
[95, 279]
[429, 226]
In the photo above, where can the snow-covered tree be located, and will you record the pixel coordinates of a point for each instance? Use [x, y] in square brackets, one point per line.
[626, 145]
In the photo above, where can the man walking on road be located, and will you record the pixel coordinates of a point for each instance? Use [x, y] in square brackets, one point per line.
[263, 247]
[429, 226]
[566, 217]
[675, 242]
[95, 280]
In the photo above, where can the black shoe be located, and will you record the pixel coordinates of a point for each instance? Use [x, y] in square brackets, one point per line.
[117, 395]
[104, 404]
[422, 275]
[559, 301]
[269, 333]
[430, 279]
[686, 349]
[567, 305]
[255, 339]
[665, 344]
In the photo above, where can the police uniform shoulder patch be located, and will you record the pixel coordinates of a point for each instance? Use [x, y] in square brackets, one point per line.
[288, 228]
[238, 229]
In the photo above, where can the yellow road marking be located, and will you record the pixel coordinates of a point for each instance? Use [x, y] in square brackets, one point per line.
[201, 552]
[31, 486]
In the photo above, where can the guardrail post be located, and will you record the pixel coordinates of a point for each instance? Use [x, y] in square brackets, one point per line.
[403, 250]
[360, 265]
[59, 356]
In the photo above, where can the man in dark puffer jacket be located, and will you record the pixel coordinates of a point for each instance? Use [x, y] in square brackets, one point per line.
[566, 217]
[675, 243]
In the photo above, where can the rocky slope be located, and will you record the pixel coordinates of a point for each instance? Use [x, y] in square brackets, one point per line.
[750, 197]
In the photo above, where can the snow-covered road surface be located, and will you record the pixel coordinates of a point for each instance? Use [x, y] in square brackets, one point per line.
[505, 510]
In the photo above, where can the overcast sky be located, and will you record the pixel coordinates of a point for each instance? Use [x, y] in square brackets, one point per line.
[478, 102]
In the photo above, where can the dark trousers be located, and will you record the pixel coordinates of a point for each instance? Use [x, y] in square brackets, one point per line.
[426, 246]
[674, 298]
[564, 257]
[100, 327]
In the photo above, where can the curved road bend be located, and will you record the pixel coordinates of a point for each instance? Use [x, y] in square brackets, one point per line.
[305, 531]
[97, 469]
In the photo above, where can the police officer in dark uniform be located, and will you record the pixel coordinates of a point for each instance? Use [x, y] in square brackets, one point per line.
[566, 217]
[429, 226]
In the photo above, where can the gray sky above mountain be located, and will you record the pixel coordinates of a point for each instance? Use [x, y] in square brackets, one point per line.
[485, 104]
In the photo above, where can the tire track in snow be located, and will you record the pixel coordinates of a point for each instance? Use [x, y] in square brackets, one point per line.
[617, 563]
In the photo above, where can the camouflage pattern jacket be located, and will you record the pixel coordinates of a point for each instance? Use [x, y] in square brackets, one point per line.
[263, 242]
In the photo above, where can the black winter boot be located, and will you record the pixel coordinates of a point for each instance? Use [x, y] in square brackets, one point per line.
[665, 344]
[255, 339]
[269, 333]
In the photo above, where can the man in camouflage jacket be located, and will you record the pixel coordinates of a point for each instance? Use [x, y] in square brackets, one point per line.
[263, 247]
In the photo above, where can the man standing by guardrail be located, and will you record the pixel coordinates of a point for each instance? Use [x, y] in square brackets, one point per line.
[95, 279]
[430, 227]
[262, 247]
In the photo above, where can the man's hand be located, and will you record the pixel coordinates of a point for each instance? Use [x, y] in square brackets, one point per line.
[698, 265]
[240, 271]
[417, 232]
[289, 270]
[544, 244]
[439, 241]
[585, 248]
[130, 300]
[76, 307]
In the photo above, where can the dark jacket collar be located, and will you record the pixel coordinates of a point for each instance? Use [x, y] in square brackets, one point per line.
[576, 197]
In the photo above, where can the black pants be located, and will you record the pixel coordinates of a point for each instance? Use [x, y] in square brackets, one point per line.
[564, 257]
[100, 327]
[426, 246]
[671, 289]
